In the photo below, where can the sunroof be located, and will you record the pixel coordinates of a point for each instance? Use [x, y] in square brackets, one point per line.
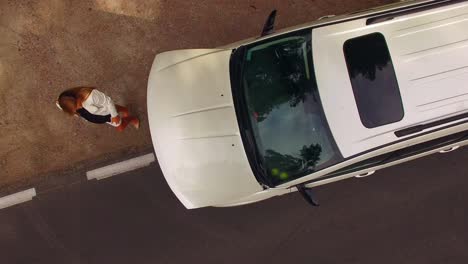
[373, 80]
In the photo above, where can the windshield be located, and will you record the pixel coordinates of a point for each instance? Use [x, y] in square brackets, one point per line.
[282, 109]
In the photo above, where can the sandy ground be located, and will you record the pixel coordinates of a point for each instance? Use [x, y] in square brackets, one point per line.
[50, 45]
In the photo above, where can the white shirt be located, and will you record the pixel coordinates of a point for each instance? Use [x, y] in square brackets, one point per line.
[98, 103]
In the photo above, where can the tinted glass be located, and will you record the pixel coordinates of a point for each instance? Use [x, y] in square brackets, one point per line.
[373, 80]
[290, 131]
[427, 146]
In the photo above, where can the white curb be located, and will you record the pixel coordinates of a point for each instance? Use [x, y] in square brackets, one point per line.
[17, 198]
[121, 167]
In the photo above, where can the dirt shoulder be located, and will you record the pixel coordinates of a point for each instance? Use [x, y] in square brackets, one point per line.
[48, 46]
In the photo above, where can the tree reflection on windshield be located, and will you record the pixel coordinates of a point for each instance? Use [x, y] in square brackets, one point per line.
[279, 78]
[289, 126]
[282, 164]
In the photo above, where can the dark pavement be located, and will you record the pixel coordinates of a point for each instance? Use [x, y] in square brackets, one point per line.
[412, 213]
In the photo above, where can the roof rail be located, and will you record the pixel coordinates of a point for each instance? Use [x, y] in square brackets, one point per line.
[419, 128]
[386, 16]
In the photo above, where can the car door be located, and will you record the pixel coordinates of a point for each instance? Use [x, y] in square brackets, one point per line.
[366, 167]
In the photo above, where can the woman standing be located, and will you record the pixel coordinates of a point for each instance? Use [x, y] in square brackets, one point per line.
[96, 107]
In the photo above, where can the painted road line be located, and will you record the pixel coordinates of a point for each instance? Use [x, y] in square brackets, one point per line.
[17, 198]
[121, 167]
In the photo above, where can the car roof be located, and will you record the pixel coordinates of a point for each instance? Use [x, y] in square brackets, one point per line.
[429, 52]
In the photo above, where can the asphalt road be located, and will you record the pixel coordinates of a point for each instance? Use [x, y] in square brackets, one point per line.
[412, 213]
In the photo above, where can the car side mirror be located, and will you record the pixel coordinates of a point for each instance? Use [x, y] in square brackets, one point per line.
[269, 26]
[307, 194]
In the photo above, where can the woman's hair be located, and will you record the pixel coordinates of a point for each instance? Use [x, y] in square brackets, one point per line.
[68, 98]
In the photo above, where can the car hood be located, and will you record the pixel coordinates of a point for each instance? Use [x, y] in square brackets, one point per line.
[194, 128]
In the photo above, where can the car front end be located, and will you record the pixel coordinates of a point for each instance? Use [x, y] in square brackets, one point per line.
[194, 128]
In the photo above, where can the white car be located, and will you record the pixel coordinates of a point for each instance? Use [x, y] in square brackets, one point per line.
[337, 98]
